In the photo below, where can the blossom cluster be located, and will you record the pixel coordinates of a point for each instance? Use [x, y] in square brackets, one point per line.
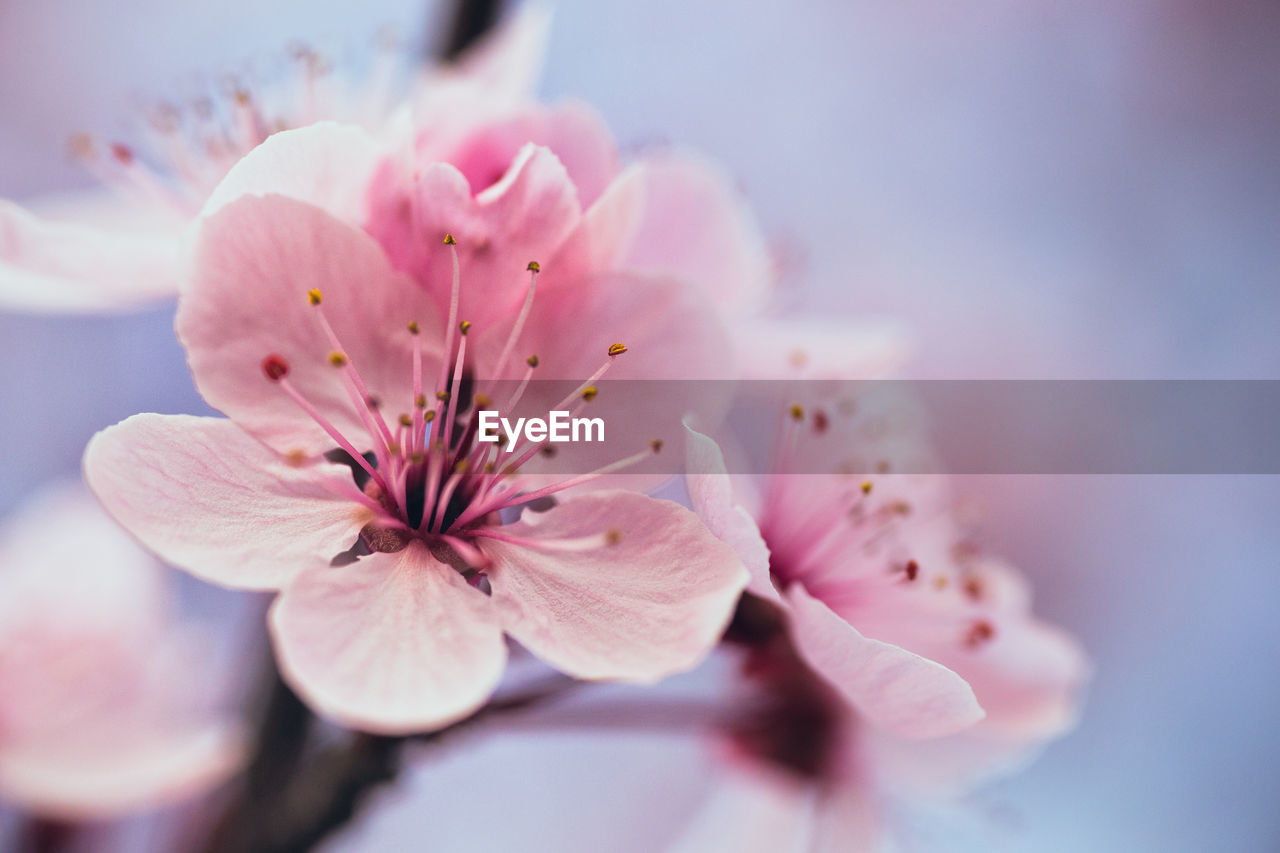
[351, 295]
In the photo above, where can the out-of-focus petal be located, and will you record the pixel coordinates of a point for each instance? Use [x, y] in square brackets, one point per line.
[57, 267]
[898, 690]
[711, 494]
[327, 164]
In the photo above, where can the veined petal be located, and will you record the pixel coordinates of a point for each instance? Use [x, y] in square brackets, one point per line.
[255, 262]
[392, 644]
[898, 690]
[55, 267]
[204, 495]
[650, 598]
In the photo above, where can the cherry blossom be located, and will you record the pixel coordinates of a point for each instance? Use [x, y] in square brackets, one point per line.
[104, 699]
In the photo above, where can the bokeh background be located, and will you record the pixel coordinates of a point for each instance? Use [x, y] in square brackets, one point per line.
[1035, 188]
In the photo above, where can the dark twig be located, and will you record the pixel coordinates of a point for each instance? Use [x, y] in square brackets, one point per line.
[471, 20]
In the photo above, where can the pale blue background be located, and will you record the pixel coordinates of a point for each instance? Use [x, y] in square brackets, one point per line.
[1040, 188]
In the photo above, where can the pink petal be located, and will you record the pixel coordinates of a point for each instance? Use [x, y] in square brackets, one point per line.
[903, 692]
[392, 644]
[59, 267]
[205, 496]
[524, 217]
[115, 772]
[652, 604]
[572, 131]
[327, 164]
[677, 215]
[254, 263]
[711, 493]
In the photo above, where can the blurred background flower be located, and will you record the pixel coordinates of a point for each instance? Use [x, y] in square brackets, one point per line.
[1042, 189]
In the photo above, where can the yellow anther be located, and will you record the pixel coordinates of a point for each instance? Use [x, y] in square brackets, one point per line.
[797, 412]
[406, 421]
[338, 358]
[461, 465]
[449, 241]
[866, 487]
[589, 393]
[483, 401]
[314, 296]
[442, 396]
[464, 326]
[656, 445]
[532, 361]
[420, 401]
[616, 350]
[534, 266]
[429, 416]
[612, 536]
[413, 327]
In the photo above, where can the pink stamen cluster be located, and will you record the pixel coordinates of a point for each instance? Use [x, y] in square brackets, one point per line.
[430, 478]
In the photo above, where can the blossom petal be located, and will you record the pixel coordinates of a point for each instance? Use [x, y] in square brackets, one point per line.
[523, 217]
[60, 267]
[119, 772]
[574, 132]
[678, 215]
[255, 261]
[903, 692]
[204, 495]
[327, 164]
[711, 494]
[649, 605]
[392, 644]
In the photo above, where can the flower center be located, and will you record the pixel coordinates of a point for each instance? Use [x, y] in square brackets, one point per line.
[425, 473]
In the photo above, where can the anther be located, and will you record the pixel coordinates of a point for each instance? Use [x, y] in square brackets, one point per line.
[797, 412]
[589, 393]
[123, 154]
[912, 569]
[449, 241]
[534, 266]
[616, 350]
[315, 297]
[482, 401]
[413, 327]
[442, 396]
[464, 326]
[656, 445]
[532, 361]
[612, 536]
[428, 416]
[982, 631]
[373, 402]
[420, 401]
[338, 358]
[406, 421]
[866, 487]
[275, 367]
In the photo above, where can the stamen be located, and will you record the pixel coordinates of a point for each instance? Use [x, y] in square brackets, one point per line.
[517, 327]
[478, 510]
[270, 366]
[593, 378]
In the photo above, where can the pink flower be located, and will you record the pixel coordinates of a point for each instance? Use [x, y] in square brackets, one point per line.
[99, 686]
[396, 586]
[934, 675]
[119, 249]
